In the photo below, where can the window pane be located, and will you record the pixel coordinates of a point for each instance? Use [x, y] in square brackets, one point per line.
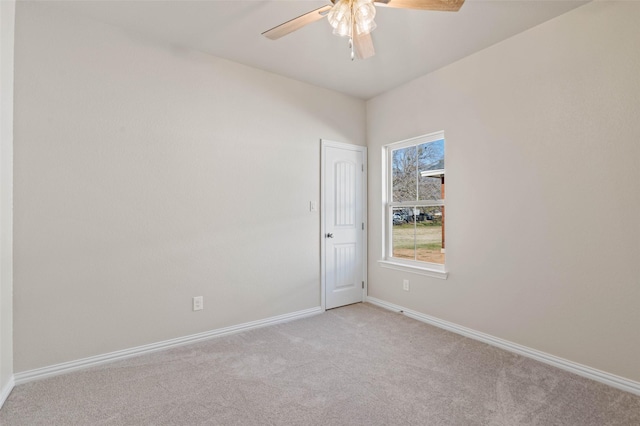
[404, 174]
[430, 235]
[431, 187]
[403, 234]
[431, 155]
[430, 158]
[418, 234]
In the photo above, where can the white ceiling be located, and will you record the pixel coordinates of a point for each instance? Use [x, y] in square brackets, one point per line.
[408, 43]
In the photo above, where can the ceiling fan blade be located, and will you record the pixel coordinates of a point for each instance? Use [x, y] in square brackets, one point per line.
[363, 46]
[297, 23]
[440, 5]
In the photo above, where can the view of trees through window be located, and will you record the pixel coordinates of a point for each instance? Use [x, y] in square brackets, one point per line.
[417, 202]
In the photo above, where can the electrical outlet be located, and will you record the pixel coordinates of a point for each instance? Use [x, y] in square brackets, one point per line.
[198, 303]
[405, 285]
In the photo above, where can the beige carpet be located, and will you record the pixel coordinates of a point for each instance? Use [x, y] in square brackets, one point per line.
[357, 365]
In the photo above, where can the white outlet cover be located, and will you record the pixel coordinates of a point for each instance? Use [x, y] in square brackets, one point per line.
[198, 303]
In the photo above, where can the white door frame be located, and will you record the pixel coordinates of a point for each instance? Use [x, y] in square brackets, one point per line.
[324, 143]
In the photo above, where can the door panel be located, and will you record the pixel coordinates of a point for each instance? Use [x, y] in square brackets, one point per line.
[343, 225]
[343, 183]
[344, 258]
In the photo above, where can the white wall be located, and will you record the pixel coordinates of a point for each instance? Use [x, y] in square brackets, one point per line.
[146, 175]
[543, 196]
[7, 15]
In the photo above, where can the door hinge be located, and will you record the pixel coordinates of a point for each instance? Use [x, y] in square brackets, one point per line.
[362, 284]
[363, 226]
[363, 167]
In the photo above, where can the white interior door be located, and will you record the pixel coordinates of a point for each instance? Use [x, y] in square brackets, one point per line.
[343, 223]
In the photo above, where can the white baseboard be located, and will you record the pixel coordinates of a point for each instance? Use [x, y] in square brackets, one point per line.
[564, 364]
[6, 390]
[67, 367]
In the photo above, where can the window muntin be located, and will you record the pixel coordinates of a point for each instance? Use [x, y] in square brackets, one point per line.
[415, 207]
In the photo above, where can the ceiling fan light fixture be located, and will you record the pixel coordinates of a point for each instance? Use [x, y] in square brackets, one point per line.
[340, 18]
[365, 27]
[343, 28]
[365, 12]
[346, 15]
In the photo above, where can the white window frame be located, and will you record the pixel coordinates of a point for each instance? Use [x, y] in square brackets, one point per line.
[388, 261]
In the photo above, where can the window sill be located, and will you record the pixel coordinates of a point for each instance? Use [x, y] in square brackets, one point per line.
[420, 270]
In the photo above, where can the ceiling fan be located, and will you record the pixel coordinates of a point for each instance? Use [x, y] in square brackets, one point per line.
[354, 19]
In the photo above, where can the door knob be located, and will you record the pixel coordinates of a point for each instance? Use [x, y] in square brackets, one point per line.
[329, 235]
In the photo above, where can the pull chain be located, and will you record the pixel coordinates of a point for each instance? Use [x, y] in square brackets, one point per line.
[353, 54]
[353, 31]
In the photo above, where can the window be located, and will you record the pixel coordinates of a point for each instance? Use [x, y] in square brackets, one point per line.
[414, 205]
